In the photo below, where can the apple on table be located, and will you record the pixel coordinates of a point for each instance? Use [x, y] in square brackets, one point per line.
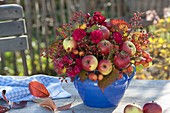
[152, 107]
[132, 108]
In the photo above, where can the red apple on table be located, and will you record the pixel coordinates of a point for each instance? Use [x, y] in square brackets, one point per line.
[130, 108]
[105, 31]
[105, 67]
[104, 47]
[152, 108]
[121, 61]
[69, 44]
[128, 47]
[89, 63]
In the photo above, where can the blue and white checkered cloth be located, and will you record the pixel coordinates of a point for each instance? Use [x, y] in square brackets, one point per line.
[17, 89]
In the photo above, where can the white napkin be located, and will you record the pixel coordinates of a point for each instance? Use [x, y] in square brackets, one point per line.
[17, 89]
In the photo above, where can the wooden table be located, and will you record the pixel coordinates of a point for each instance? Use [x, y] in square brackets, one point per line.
[139, 92]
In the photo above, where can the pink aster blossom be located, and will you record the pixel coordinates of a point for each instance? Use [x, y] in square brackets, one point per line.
[78, 34]
[58, 63]
[76, 70]
[78, 63]
[96, 36]
[72, 71]
[67, 60]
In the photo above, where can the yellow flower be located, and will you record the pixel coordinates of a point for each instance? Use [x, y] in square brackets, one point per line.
[161, 40]
[161, 21]
[168, 20]
[160, 30]
[83, 26]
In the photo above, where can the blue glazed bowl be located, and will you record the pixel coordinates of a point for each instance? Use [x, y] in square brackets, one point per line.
[92, 95]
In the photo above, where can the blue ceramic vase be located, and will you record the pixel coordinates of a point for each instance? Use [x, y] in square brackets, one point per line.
[92, 95]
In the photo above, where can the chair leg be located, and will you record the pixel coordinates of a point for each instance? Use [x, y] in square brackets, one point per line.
[15, 64]
[24, 63]
[2, 63]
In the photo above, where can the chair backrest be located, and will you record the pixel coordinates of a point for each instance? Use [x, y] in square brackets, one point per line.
[13, 31]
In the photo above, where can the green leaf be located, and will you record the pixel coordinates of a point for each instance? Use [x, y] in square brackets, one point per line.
[83, 75]
[108, 79]
[88, 30]
[110, 56]
[94, 27]
[59, 30]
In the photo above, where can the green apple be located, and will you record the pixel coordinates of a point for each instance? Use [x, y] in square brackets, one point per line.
[128, 47]
[69, 44]
[130, 108]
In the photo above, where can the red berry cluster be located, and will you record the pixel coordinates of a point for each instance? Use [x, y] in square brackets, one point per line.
[140, 40]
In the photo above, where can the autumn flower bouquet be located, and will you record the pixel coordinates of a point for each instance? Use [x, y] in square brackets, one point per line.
[93, 47]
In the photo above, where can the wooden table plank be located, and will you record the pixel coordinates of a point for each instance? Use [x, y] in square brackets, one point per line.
[139, 92]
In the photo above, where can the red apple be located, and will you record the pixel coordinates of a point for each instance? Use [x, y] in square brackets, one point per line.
[92, 76]
[128, 47]
[121, 60]
[105, 31]
[69, 44]
[104, 47]
[105, 67]
[89, 63]
[152, 108]
[133, 109]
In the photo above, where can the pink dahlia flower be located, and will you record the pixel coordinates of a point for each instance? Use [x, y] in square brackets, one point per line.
[96, 36]
[78, 34]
